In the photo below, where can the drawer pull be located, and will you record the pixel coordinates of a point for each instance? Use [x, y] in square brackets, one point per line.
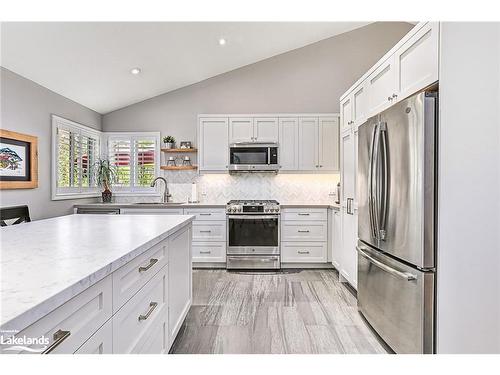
[152, 262]
[206, 252]
[303, 214]
[205, 231]
[59, 336]
[152, 306]
[303, 252]
[205, 214]
[303, 231]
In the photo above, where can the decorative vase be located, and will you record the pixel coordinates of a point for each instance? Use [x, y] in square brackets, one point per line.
[106, 196]
[169, 145]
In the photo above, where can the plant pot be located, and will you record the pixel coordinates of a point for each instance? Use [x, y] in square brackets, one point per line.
[106, 196]
[169, 145]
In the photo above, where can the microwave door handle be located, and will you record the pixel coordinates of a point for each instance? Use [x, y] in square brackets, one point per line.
[385, 180]
[370, 184]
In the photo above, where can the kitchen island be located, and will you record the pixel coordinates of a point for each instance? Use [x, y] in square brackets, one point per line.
[96, 283]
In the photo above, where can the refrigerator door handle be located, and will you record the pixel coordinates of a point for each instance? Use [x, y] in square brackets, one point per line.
[404, 275]
[370, 185]
[385, 181]
[375, 178]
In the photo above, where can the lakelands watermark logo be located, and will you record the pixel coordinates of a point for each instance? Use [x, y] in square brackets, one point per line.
[11, 343]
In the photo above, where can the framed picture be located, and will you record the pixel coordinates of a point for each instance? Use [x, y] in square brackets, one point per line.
[18, 160]
[185, 144]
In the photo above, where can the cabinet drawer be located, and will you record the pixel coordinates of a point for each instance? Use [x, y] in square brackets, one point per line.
[304, 214]
[128, 279]
[209, 231]
[207, 214]
[209, 251]
[303, 252]
[81, 316]
[304, 231]
[101, 342]
[138, 323]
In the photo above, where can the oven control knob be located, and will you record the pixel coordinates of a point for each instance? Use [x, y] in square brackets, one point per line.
[239, 209]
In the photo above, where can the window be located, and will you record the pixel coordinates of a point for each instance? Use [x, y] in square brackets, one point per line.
[136, 159]
[76, 149]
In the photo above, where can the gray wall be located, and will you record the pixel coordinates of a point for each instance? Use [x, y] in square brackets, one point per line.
[309, 79]
[468, 277]
[26, 108]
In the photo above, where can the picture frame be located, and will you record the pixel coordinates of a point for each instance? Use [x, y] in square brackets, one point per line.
[186, 144]
[18, 160]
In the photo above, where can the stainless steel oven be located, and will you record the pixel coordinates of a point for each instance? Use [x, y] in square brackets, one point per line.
[253, 157]
[253, 233]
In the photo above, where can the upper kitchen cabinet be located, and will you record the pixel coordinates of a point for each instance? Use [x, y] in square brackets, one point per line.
[328, 143]
[308, 144]
[253, 129]
[354, 108]
[241, 129]
[213, 144]
[289, 143]
[417, 61]
[346, 113]
[381, 86]
[266, 129]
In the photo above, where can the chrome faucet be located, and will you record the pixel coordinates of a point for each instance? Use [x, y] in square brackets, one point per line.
[166, 194]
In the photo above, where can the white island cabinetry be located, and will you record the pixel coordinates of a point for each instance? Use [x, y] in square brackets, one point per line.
[116, 293]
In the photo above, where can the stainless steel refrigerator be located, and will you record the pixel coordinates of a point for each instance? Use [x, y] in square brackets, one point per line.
[396, 223]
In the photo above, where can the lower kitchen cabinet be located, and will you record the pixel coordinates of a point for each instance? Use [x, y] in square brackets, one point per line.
[303, 252]
[336, 243]
[207, 252]
[100, 342]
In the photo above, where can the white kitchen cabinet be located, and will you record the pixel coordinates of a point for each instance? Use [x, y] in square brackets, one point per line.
[328, 141]
[336, 243]
[179, 280]
[417, 61]
[241, 129]
[381, 86]
[101, 342]
[359, 104]
[303, 252]
[304, 230]
[308, 144]
[209, 252]
[213, 135]
[266, 129]
[289, 143]
[209, 230]
[346, 113]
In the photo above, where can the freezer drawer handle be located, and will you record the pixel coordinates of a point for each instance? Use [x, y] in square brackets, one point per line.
[404, 275]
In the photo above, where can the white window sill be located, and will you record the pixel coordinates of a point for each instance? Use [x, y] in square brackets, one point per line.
[60, 197]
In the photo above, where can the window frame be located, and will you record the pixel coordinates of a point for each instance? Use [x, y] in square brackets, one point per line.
[59, 122]
[133, 190]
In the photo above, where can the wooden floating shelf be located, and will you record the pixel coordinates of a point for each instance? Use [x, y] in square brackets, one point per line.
[179, 150]
[178, 167]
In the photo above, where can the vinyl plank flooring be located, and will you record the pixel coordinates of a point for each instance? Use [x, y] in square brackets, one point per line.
[296, 312]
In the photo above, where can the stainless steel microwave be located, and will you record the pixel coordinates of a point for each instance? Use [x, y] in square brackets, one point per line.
[253, 157]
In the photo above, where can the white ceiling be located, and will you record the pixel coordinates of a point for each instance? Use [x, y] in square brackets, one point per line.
[90, 62]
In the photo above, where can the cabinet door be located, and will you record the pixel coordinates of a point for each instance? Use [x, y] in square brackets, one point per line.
[328, 143]
[359, 104]
[179, 280]
[417, 61]
[266, 129]
[336, 239]
[289, 143]
[241, 129]
[347, 187]
[346, 113]
[214, 144]
[381, 87]
[308, 144]
[101, 342]
[349, 256]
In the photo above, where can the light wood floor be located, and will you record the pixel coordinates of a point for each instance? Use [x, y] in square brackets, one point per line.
[307, 311]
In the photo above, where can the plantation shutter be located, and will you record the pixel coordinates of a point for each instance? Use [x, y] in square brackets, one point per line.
[145, 161]
[120, 154]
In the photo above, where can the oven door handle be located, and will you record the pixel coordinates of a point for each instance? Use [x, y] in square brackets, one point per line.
[249, 217]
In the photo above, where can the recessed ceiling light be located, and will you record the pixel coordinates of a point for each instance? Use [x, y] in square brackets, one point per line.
[135, 71]
[222, 41]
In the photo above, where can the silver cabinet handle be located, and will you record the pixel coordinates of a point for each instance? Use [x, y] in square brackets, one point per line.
[320, 166]
[404, 275]
[303, 231]
[303, 214]
[205, 231]
[389, 98]
[152, 262]
[303, 252]
[205, 214]
[394, 96]
[152, 306]
[206, 252]
[59, 336]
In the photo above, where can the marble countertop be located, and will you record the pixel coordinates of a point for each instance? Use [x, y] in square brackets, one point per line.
[45, 263]
[200, 205]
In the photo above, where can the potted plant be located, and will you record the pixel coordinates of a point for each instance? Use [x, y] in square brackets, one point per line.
[169, 141]
[105, 175]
